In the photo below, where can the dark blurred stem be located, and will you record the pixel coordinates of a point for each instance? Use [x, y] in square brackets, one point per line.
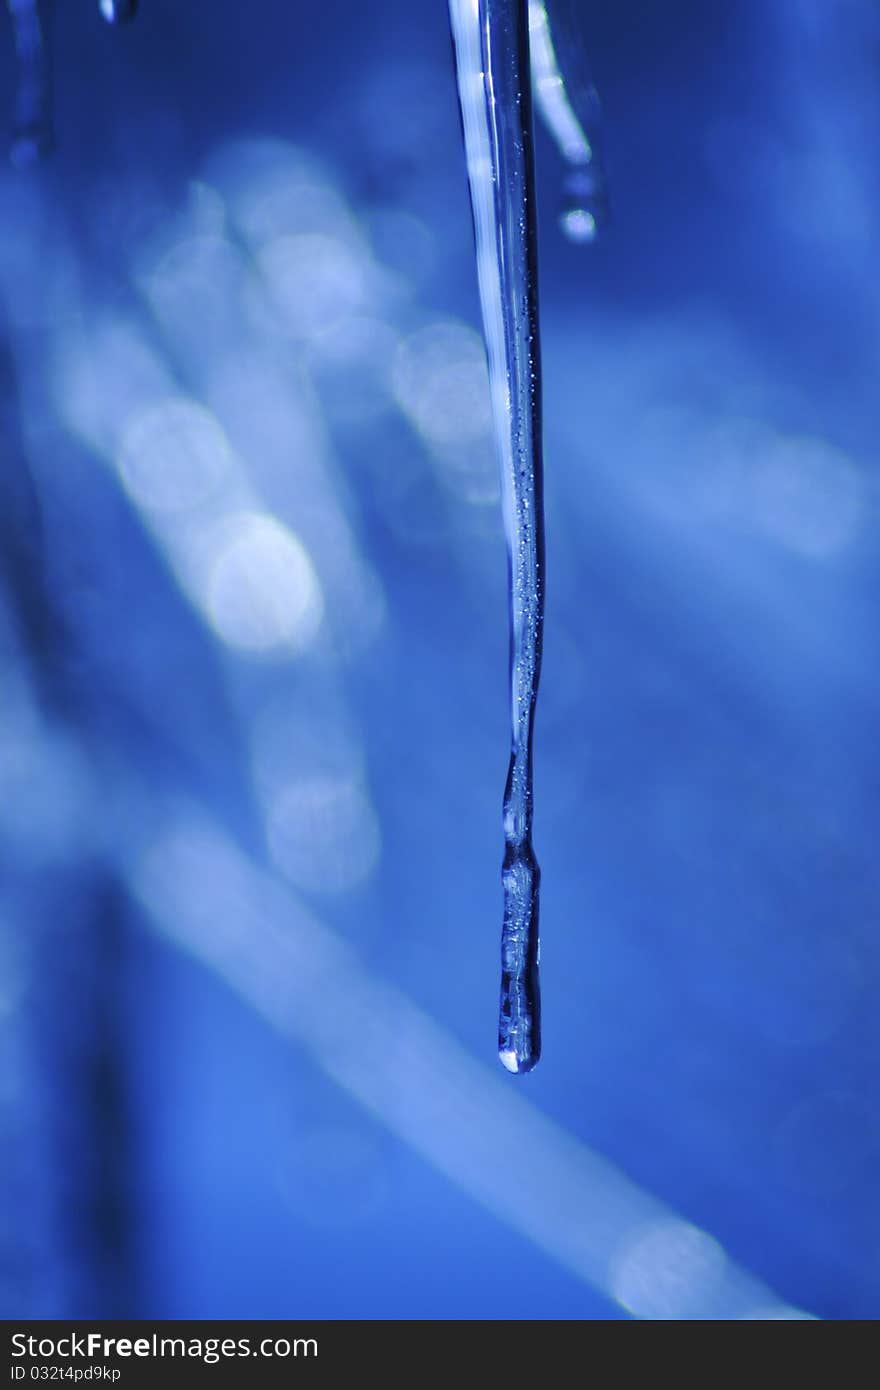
[32, 134]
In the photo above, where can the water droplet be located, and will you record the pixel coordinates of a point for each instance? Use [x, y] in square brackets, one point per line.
[584, 209]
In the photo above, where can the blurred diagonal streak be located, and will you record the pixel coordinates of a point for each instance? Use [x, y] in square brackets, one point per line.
[209, 899]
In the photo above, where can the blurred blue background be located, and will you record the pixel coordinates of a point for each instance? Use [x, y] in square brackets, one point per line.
[253, 652]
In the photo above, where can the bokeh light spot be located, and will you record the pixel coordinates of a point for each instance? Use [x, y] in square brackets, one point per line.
[666, 1270]
[262, 590]
[173, 456]
[324, 834]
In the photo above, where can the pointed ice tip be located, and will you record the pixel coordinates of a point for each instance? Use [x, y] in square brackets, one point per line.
[513, 1062]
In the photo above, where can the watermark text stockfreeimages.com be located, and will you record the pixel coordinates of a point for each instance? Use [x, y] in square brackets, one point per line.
[95, 1346]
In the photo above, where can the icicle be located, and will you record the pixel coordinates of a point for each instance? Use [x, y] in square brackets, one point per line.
[492, 60]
